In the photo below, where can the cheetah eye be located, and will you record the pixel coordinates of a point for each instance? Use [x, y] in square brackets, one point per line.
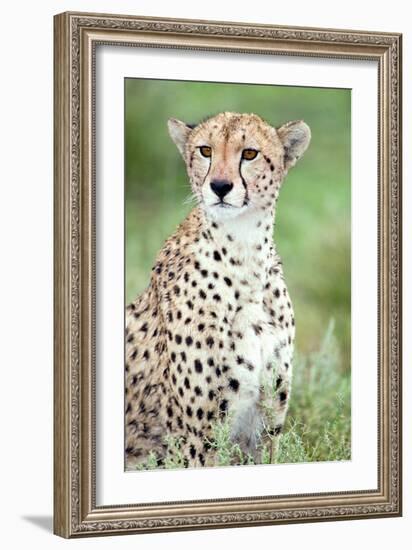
[249, 154]
[205, 151]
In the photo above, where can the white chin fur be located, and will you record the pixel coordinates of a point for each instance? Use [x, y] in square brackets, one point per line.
[220, 213]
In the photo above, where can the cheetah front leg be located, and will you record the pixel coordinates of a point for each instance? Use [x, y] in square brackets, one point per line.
[275, 393]
[246, 417]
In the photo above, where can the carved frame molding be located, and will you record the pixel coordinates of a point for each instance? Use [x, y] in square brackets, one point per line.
[75, 39]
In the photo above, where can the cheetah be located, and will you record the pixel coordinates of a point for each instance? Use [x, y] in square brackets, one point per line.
[215, 327]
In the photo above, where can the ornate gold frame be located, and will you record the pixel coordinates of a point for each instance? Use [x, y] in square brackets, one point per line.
[75, 38]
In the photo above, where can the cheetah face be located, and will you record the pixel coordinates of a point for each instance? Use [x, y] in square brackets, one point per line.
[236, 162]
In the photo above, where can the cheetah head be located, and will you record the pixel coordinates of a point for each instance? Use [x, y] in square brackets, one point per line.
[236, 162]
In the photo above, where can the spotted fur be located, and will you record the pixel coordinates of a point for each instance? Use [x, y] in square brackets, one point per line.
[215, 327]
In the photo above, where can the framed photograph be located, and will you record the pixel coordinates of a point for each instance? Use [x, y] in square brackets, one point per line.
[227, 274]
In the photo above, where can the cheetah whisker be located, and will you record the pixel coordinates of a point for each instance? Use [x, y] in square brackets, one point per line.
[191, 199]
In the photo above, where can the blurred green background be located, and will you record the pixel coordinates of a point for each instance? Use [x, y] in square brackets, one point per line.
[312, 231]
[313, 214]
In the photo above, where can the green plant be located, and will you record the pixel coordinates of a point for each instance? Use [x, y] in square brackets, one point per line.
[318, 422]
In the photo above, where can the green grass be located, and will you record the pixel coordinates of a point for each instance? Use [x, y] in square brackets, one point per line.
[318, 422]
[312, 232]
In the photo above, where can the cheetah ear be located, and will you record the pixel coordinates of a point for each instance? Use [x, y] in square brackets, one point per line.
[179, 132]
[295, 137]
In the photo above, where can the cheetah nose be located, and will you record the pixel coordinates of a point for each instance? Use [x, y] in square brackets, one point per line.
[221, 187]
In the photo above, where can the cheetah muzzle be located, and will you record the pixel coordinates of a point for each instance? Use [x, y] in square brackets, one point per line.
[211, 338]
